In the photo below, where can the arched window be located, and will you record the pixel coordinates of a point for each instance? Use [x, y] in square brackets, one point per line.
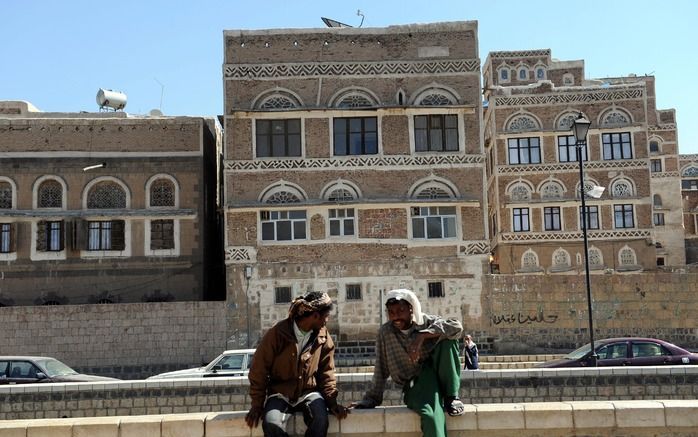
[627, 257]
[340, 191]
[654, 146]
[615, 117]
[595, 258]
[353, 98]
[561, 259]
[162, 193]
[50, 194]
[520, 192]
[433, 188]
[551, 190]
[691, 171]
[523, 73]
[529, 260]
[106, 195]
[283, 192]
[277, 98]
[522, 123]
[435, 95]
[540, 73]
[568, 79]
[564, 123]
[6, 195]
[504, 74]
[622, 188]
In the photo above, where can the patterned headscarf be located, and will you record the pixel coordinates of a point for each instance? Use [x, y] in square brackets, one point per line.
[411, 298]
[309, 303]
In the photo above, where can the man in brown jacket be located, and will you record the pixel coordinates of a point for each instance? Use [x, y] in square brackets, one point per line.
[293, 371]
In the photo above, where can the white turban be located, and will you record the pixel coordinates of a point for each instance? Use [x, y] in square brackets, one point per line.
[410, 298]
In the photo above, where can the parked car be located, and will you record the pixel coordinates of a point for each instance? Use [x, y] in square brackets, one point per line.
[235, 362]
[26, 370]
[626, 351]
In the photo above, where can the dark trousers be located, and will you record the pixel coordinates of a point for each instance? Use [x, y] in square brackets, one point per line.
[439, 378]
[277, 412]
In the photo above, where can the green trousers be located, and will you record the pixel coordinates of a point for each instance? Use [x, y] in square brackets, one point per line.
[439, 378]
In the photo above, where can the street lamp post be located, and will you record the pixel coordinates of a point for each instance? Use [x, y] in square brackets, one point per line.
[580, 127]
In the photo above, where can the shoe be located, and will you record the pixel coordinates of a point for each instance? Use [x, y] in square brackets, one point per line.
[454, 406]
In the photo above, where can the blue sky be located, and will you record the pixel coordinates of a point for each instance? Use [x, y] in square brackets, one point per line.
[168, 54]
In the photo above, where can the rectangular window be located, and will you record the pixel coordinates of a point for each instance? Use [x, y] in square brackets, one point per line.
[592, 216]
[567, 149]
[433, 222]
[355, 136]
[617, 146]
[341, 222]
[282, 294]
[105, 235]
[623, 216]
[278, 138]
[656, 165]
[436, 289]
[658, 218]
[520, 220]
[353, 291]
[660, 261]
[162, 234]
[524, 150]
[689, 184]
[5, 237]
[436, 133]
[283, 225]
[54, 236]
[551, 215]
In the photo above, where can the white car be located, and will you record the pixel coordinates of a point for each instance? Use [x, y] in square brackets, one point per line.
[235, 362]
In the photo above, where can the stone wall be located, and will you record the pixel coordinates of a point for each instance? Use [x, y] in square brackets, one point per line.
[555, 419]
[123, 340]
[536, 313]
[126, 398]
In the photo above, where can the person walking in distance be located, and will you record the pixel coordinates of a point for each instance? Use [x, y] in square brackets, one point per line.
[420, 353]
[470, 354]
[293, 371]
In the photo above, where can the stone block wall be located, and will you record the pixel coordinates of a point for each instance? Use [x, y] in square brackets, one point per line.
[123, 340]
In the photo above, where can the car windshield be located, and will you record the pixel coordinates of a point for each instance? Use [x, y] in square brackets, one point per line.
[55, 368]
[578, 353]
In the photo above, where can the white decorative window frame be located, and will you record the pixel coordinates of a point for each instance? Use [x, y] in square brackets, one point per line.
[523, 68]
[526, 254]
[539, 67]
[265, 95]
[9, 256]
[340, 184]
[435, 88]
[542, 186]
[155, 178]
[537, 125]
[13, 186]
[433, 182]
[499, 73]
[342, 94]
[514, 184]
[279, 187]
[620, 180]
[49, 255]
[629, 249]
[568, 79]
[93, 182]
[35, 191]
[605, 114]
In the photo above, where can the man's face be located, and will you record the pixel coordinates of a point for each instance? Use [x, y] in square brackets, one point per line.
[320, 319]
[400, 314]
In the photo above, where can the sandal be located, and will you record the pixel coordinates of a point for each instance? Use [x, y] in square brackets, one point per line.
[454, 406]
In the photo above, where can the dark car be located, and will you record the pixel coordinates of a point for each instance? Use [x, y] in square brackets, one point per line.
[27, 370]
[626, 351]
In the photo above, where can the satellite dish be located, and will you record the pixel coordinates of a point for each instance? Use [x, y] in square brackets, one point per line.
[333, 23]
[155, 113]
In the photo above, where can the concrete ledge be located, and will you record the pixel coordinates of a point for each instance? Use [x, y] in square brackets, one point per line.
[556, 419]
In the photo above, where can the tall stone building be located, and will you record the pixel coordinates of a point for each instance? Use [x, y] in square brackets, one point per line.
[532, 172]
[354, 165]
[689, 192]
[107, 207]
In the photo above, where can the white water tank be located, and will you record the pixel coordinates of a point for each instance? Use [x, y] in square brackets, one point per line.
[111, 99]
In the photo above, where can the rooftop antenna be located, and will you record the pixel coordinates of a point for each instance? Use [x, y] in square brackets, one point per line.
[333, 23]
[162, 92]
[360, 14]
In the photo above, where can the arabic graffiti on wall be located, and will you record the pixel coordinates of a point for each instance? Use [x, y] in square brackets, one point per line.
[523, 319]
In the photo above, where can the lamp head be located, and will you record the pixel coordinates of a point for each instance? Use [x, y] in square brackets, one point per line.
[596, 192]
[580, 127]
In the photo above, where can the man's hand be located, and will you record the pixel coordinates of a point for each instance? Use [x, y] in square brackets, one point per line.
[340, 411]
[253, 416]
[414, 350]
[361, 405]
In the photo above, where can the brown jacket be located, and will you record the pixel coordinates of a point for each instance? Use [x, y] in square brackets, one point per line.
[276, 368]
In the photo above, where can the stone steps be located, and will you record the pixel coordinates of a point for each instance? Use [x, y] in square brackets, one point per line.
[487, 362]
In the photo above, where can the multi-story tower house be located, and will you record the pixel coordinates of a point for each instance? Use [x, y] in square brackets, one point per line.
[107, 207]
[689, 193]
[354, 165]
[533, 176]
